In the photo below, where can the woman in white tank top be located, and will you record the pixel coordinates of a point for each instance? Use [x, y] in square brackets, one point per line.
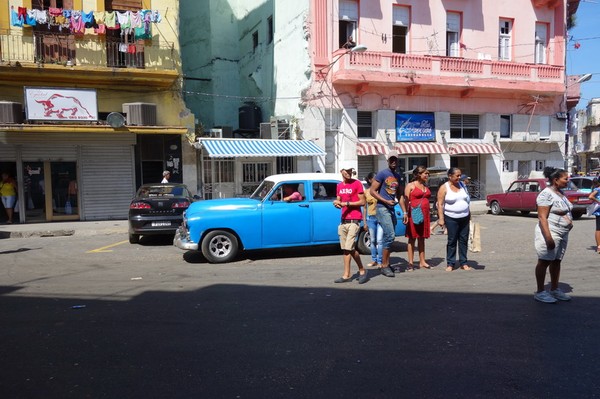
[453, 210]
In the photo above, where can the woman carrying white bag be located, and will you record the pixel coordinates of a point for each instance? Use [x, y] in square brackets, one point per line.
[595, 211]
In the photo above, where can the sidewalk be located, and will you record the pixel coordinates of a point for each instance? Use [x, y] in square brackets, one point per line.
[57, 229]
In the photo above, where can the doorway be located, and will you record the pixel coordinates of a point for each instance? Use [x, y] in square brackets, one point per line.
[51, 191]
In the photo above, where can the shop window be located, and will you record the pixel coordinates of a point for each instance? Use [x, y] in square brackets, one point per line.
[365, 124]
[464, 126]
[505, 126]
[400, 29]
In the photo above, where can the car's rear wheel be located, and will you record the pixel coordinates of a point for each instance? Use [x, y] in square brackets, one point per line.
[577, 215]
[364, 242]
[219, 246]
[495, 208]
[134, 238]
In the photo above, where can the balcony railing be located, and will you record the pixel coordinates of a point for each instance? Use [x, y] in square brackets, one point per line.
[370, 61]
[74, 50]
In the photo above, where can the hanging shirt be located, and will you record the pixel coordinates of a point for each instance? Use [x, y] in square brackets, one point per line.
[99, 17]
[41, 16]
[124, 19]
[15, 20]
[53, 11]
[110, 20]
[88, 19]
[30, 18]
[77, 25]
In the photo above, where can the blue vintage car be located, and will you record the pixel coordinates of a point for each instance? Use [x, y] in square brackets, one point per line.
[220, 228]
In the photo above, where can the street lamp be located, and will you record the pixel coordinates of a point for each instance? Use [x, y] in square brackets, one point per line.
[323, 75]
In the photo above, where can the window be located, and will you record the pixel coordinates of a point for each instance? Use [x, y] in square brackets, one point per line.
[365, 124]
[348, 24]
[254, 41]
[464, 126]
[504, 46]
[507, 166]
[505, 126]
[544, 127]
[400, 29]
[540, 43]
[325, 191]
[252, 175]
[213, 179]
[270, 30]
[452, 34]
[540, 165]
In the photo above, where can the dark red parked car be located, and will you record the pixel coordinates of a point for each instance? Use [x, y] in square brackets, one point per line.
[522, 194]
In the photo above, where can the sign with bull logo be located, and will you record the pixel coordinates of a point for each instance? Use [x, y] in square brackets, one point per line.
[67, 105]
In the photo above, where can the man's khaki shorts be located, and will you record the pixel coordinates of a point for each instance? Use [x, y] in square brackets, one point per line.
[348, 233]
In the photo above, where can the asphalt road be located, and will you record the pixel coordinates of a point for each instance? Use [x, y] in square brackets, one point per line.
[96, 317]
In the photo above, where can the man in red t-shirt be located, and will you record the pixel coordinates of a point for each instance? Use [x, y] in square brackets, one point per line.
[350, 199]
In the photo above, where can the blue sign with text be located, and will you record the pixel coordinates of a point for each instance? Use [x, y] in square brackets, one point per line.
[416, 126]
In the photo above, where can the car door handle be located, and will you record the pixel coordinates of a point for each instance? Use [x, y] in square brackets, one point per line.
[303, 205]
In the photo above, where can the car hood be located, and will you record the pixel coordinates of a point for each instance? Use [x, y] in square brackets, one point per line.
[216, 205]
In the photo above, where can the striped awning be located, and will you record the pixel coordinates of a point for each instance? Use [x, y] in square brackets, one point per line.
[473, 148]
[420, 148]
[371, 148]
[235, 148]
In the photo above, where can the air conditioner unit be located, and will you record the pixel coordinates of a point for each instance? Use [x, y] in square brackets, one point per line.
[140, 114]
[265, 130]
[11, 112]
[214, 133]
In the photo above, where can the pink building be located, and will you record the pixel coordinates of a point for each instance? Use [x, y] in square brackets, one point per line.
[476, 84]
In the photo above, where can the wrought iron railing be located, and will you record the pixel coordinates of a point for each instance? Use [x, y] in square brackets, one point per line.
[66, 49]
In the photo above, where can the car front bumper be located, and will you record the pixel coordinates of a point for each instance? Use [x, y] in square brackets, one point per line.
[182, 241]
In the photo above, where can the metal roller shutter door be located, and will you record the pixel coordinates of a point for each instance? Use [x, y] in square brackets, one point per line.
[108, 181]
[8, 153]
[31, 153]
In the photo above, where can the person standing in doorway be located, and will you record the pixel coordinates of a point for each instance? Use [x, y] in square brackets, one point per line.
[387, 191]
[350, 198]
[453, 205]
[8, 191]
[166, 176]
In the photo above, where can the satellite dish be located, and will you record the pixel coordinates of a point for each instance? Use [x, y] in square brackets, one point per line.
[115, 119]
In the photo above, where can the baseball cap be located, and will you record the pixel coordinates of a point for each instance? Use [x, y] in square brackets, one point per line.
[392, 154]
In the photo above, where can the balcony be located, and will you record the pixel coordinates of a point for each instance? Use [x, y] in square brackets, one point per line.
[422, 72]
[63, 58]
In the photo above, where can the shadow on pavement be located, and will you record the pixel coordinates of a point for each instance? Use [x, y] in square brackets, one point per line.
[239, 341]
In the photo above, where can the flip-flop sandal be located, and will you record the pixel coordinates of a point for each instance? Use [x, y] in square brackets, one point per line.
[449, 268]
[466, 267]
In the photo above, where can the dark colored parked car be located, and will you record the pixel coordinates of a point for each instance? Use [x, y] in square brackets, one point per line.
[158, 209]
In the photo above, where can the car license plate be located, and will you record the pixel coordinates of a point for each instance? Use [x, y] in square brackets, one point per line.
[160, 224]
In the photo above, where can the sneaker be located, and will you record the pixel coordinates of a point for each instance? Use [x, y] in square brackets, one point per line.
[363, 278]
[545, 297]
[561, 296]
[387, 271]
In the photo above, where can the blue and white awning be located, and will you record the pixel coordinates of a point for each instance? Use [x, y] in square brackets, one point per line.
[235, 148]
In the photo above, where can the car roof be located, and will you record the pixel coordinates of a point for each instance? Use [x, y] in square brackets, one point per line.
[304, 176]
[163, 185]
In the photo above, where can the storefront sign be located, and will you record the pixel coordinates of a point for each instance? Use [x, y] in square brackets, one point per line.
[417, 126]
[53, 104]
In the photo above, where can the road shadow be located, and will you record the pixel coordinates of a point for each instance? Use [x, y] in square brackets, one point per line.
[230, 341]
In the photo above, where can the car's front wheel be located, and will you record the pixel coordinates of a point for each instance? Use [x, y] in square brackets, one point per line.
[495, 208]
[219, 246]
[364, 242]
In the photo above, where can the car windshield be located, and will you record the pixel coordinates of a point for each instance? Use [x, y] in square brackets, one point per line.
[261, 192]
[162, 191]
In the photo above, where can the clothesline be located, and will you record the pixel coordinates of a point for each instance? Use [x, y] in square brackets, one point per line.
[77, 21]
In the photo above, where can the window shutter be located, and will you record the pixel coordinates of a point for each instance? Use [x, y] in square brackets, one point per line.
[401, 15]
[471, 121]
[349, 10]
[453, 22]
